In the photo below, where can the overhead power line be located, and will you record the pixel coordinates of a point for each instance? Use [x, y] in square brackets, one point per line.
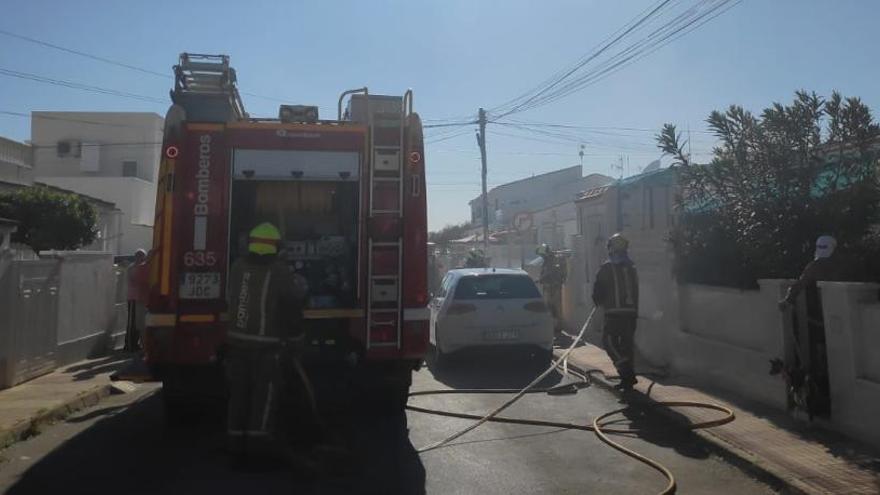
[448, 137]
[594, 128]
[67, 119]
[82, 54]
[561, 73]
[449, 124]
[698, 15]
[141, 144]
[79, 86]
[589, 58]
[116, 62]
[585, 72]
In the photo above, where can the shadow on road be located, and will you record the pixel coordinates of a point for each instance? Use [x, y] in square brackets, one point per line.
[491, 368]
[133, 452]
[93, 368]
[669, 430]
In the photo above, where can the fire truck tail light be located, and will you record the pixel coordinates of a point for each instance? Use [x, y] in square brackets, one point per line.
[421, 295]
[383, 334]
[383, 327]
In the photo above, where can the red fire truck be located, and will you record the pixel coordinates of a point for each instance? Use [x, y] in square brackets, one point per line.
[348, 196]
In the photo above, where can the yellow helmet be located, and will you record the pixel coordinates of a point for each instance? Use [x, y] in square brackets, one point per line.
[264, 239]
[617, 243]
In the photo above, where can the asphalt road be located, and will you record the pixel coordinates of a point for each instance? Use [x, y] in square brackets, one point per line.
[122, 446]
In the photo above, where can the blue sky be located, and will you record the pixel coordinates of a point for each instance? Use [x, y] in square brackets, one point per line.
[457, 55]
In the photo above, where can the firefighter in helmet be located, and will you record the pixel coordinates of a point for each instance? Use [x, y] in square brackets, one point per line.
[553, 273]
[476, 259]
[265, 307]
[616, 291]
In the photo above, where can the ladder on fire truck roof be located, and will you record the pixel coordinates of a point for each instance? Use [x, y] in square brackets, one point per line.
[386, 117]
[205, 86]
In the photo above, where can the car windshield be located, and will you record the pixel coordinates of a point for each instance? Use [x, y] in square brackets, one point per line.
[496, 287]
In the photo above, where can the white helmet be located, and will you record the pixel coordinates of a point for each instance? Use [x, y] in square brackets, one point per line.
[825, 246]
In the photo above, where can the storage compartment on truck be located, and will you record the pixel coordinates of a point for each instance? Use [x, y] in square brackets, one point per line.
[313, 199]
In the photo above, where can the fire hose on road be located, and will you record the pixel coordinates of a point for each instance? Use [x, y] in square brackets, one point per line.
[597, 426]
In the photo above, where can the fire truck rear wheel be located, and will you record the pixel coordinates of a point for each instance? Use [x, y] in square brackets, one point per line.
[393, 394]
[179, 410]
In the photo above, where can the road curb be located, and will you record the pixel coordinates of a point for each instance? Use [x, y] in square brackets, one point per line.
[30, 427]
[743, 459]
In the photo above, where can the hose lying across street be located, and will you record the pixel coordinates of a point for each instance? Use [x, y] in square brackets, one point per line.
[598, 423]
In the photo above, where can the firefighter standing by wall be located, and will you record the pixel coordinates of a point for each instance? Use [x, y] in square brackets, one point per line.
[616, 291]
[553, 274]
[137, 275]
[808, 374]
[265, 306]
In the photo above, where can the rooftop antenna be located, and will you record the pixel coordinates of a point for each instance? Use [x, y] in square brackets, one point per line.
[618, 166]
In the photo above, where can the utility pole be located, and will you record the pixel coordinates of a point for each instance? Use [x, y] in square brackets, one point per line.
[481, 140]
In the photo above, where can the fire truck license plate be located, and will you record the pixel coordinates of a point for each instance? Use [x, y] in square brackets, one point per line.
[204, 285]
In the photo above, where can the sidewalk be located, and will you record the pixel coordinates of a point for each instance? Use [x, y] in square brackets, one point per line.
[804, 460]
[51, 397]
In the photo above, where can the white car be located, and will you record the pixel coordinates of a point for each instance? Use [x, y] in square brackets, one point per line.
[489, 307]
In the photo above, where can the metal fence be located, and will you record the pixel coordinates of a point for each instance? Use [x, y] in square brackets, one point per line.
[54, 311]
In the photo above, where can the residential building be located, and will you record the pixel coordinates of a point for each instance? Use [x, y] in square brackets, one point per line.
[556, 225]
[16, 171]
[642, 207]
[111, 156]
[534, 194]
[596, 222]
[16, 164]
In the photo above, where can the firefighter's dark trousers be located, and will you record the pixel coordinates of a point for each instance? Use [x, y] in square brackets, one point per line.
[618, 338]
[254, 386]
[553, 299]
[132, 332]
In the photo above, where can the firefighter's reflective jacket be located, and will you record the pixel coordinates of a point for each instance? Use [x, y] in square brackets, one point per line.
[616, 288]
[265, 301]
[553, 271]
